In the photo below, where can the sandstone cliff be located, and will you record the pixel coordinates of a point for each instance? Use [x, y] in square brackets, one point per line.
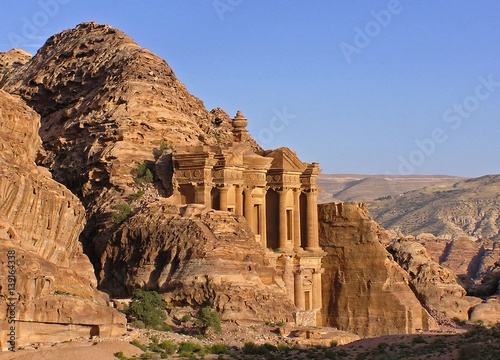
[108, 106]
[364, 290]
[436, 286]
[55, 292]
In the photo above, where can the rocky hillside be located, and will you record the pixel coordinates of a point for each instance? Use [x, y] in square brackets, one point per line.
[467, 208]
[108, 106]
[55, 295]
[365, 188]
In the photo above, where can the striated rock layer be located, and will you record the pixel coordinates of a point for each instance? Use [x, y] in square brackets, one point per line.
[196, 257]
[364, 290]
[435, 286]
[108, 106]
[54, 296]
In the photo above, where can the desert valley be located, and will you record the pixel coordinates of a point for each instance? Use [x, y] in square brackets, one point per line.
[136, 223]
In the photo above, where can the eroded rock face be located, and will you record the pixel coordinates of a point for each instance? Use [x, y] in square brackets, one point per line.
[435, 286]
[364, 290]
[107, 105]
[40, 221]
[11, 60]
[474, 262]
[195, 257]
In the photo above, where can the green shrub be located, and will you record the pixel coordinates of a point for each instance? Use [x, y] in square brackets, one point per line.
[138, 324]
[168, 346]
[120, 355]
[418, 340]
[155, 347]
[148, 307]
[144, 175]
[217, 349]
[122, 211]
[136, 196]
[189, 347]
[163, 327]
[209, 319]
[252, 348]
[186, 318]
[139, 345]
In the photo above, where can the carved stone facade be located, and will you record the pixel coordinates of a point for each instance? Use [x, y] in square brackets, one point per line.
[276, 193]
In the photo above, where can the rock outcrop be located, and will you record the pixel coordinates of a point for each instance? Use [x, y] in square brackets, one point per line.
[476, 263]
[52, 289]
[364, 290]
[196, 257]
[12, 60]
[436, 286]
[109, 107]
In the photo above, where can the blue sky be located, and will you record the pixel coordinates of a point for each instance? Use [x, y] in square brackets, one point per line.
[367, 87]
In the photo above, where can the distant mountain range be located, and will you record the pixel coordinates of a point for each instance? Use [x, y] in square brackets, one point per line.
[366, 188]
[467, 208]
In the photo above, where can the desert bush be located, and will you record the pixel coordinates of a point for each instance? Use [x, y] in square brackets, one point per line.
[136, 196]
[139, 345]
[148, 307]
[217, 349]
[144, 175]
[168, 346]
[138, 324]
[418, 340]
[209, 319]
[122, 211]
[469, 351]
[252, 348]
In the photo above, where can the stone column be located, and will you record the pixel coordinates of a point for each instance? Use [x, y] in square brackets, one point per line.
[223, 198]
[296, 219]
[282, 220]
[248, 207]
[289, 279]
[263, 222]
[202, 195]
[312, 220]
[316, 289]
[300, 301]
[239, 200]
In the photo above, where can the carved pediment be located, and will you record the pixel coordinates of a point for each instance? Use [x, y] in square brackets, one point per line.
[286, 160]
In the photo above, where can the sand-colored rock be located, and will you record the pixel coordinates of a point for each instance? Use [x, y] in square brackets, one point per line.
[474, 262]
[54, 297]
[487, 313]
[436, 286]
[11, 60]
[364, 290]
[196, 257]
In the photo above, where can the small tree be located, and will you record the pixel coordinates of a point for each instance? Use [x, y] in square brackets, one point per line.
[148, 307]
[144, 175]
[209, 318]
